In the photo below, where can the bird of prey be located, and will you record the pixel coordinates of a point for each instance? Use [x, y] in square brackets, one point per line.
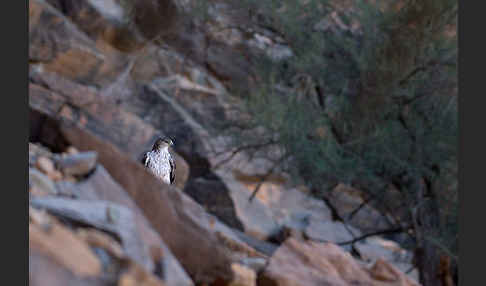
[159, 161]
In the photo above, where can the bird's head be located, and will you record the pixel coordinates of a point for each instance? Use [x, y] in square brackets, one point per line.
[162, 143]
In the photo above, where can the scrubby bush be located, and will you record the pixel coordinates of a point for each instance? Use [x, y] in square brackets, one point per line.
[371, 101]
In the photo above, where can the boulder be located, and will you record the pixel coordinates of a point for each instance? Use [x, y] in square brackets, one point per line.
[350, 205]
[310, 263]
[255, 217]
[212, 195]
[103, 215]
[375, 248]
[275, 206]
[78, 164]
[65, 248]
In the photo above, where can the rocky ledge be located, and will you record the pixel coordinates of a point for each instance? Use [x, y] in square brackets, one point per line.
[101, 90]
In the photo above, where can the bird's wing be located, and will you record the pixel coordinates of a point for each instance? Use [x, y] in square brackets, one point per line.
[145, 159]
[172, 169]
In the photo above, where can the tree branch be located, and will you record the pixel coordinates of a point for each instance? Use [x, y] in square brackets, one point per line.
[380, 232]
[266, 176]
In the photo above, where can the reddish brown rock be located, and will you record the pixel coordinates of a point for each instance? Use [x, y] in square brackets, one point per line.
[46, 165]
[137, 276]
[243, 276]
[137, 236]
[386, 274]
[45, 270]
[61, 48]
[97, 238]
[309, 263]
[111, 217]
[65, 248]
[300, 263]
[103, 21]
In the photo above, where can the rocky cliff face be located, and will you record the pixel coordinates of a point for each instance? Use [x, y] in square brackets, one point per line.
[105, 79]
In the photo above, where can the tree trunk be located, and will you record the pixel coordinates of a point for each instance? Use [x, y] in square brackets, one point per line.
[426, 224]
[428, 260]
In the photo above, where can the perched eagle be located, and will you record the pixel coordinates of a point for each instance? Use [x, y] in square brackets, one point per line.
[159, 161]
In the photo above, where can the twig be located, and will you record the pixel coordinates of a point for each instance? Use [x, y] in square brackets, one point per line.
[356, 210]
[380, 232]
[265, 177]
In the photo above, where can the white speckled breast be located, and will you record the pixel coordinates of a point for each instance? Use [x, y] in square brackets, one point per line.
[159, 165]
